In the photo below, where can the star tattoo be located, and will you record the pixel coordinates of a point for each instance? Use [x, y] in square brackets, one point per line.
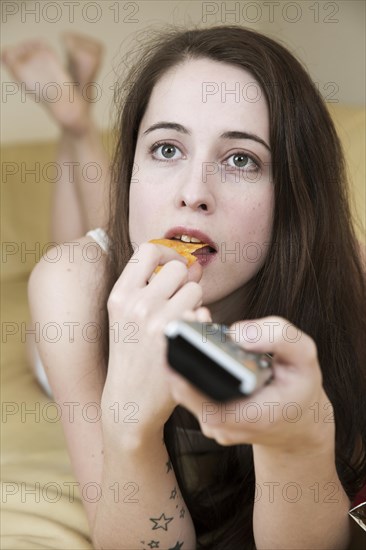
[178, 546]
[161, 523]
[168, 466]
[182, 512]
[154, 544]
[173, 494]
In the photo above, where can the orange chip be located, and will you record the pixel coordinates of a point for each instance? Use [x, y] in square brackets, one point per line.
[184, 249]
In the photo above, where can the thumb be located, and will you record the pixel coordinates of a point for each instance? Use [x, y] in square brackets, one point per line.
[195, 272]
[200, 315]
[204, 315]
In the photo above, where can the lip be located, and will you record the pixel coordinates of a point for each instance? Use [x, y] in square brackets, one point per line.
[191, 232]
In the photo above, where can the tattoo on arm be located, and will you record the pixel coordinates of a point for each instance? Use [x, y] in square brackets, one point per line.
[155, 544]
[161, 523]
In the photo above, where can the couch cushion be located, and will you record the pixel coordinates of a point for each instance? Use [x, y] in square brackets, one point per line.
[41, 506]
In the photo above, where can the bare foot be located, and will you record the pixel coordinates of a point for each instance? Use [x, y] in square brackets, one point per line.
[38, 69]
[84, 56]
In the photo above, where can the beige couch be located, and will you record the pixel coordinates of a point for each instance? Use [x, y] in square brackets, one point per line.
[39, 510]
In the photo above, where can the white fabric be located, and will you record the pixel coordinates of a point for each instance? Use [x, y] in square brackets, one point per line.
[41, 373]
[100, 236]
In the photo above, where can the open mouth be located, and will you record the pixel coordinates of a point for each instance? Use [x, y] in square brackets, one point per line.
[204, 251]
[195, 248]
[189, 247]
[205, 255]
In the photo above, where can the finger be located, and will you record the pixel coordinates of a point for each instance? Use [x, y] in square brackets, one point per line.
[187, 395]
[141, 265]
[200, 315]
[277, 336]
[195, 272]
[188, 297]
[203, 315]
[207, 411]
[189, 316]
[169, 280]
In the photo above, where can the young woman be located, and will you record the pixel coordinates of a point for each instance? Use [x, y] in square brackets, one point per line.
[223, 138]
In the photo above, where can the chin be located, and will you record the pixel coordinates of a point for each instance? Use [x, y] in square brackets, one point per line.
[214, 294]
[226, 305]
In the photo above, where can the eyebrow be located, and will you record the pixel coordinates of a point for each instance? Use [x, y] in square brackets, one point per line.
[245, 135]
[167, 126]
[234, 134]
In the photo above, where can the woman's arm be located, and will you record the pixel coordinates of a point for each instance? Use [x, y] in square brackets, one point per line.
[141, 504]
[300, 500]
[111, 472]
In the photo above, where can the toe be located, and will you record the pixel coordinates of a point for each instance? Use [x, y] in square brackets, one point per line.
[11, 55]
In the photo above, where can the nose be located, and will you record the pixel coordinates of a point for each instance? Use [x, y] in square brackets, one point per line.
[195, 192]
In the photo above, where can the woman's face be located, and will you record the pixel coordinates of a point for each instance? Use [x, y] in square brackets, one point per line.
[209, 171]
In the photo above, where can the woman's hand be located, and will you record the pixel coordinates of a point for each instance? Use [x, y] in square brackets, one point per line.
[292, 413]
[140, 304]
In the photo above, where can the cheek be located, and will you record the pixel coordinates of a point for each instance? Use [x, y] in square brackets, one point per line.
[255, 221]
[137, 211]
[145, 211]
[253, 231]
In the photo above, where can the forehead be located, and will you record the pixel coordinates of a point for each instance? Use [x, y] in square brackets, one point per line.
[214, 94]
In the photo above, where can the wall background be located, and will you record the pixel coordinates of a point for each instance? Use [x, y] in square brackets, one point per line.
[329, 38]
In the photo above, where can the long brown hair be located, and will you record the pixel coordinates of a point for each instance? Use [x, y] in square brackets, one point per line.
[312, 274]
